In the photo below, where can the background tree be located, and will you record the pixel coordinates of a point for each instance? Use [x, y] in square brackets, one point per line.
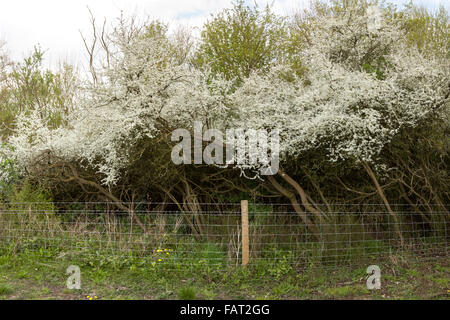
[427, 30]
[29, 87]
[240, 40]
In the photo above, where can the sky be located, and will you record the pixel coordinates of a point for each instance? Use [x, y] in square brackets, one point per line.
[56, 24]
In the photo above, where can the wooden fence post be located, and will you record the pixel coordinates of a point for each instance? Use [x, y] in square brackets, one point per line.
[245, 242]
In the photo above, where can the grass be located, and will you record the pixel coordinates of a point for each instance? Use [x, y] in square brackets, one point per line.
[346, 291]
[42, 275]
[169, 264]
[5, 290]
[187, 293]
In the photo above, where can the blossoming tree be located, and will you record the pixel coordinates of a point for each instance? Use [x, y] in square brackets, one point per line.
[360, 86]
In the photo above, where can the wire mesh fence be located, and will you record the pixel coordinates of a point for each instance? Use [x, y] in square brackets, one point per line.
[167, 237]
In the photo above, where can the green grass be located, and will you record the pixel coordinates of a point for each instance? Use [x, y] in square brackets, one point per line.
[42, 275]
[187, 293]
[5, 290]
[346, 291]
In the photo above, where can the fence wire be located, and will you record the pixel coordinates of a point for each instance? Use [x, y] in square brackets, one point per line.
[165, 236]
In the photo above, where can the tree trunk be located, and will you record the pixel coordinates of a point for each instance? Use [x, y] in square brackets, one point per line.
[293, 199]
[386, 203]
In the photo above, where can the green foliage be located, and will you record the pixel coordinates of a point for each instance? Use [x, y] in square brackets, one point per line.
[8, 172]
[427, 30]
[155, 29]
[376, 67]
[29, 86]
[187, 293]
[28, 193]
[240, 40]
[211, 254]
[34, 87]
[281, 268]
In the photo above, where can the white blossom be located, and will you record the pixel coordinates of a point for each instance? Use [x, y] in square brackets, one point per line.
[363, 86]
